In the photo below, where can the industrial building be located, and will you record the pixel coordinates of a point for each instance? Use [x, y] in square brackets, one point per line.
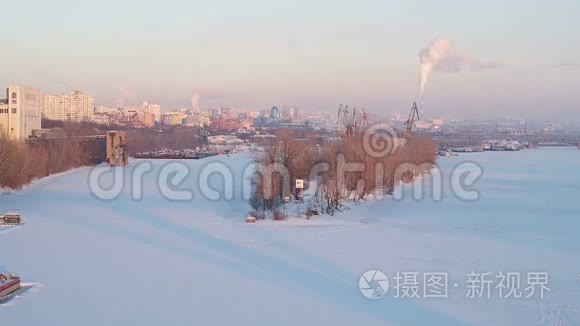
[20, 112]
[116, 148]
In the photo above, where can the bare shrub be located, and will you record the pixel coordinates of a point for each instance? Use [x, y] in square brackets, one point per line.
[278, 164]
[279, 215]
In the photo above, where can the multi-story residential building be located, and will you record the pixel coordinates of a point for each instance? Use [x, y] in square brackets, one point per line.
[77, 106]
[253, 114]
[173, 118]
[20, 112]
[225, 124]
[155, 109]
[288, 112]
[132, 111]
[106, 110]
[274, 113]
[212, 113]
[246, 124]
[148, 119]
[228, 113]
[197, 120]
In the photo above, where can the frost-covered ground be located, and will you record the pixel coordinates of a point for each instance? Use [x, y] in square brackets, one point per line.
[155, 261]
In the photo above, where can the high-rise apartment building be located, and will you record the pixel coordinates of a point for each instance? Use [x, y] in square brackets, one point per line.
[77, 106]
[20, 112]
[173, 118]
[197, 119]
[155, 109]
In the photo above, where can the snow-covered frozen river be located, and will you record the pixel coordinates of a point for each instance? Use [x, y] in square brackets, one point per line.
[155, 261]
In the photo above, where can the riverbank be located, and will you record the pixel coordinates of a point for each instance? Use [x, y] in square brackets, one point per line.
[191, 254]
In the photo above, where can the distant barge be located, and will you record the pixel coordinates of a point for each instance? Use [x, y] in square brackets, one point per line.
[8, 285]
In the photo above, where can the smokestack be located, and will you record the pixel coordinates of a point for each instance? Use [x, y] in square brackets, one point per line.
[194, 100]
[441, 55]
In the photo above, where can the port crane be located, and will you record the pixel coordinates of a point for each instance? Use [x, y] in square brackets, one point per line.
[414, 114]
[351, 121]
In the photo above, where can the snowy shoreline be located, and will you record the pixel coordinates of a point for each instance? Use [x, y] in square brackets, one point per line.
[6, 192]
[213, 268]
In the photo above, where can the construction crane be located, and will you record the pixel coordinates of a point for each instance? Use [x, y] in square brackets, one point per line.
[338, 116]
[414, 114]
[343, 114]
[363, 118]
[344, 118]
[351, 121]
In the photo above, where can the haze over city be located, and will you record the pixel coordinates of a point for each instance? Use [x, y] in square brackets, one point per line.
[290, 162]
[315, 55]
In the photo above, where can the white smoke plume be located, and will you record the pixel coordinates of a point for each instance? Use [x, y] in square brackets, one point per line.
[441, 55]
[124, 97]
[194, 100]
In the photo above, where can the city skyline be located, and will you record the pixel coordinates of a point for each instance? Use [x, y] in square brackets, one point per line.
[315, 56]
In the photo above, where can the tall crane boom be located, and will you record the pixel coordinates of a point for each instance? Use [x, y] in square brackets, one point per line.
[414, 114]
[351, 121]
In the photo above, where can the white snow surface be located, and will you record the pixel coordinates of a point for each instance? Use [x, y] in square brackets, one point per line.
[161, 262]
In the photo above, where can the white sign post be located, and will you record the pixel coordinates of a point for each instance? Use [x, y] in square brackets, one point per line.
[299, 184]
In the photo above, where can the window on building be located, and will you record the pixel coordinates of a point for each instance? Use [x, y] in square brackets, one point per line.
[13, 110]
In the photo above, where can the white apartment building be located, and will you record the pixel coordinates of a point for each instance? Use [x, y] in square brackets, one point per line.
[20, 112]
[197, 119]
[105, 110]
[77, 106]
[156, 110]
[173, 118]
[153, 108]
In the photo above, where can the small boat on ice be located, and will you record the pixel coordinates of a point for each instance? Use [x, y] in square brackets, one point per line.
[8, 285]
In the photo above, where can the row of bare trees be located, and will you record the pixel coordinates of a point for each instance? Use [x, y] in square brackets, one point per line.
[140, 139]
[177, 138]
[20, 162]
[339, 171]
[289, 157]
[355, 174]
